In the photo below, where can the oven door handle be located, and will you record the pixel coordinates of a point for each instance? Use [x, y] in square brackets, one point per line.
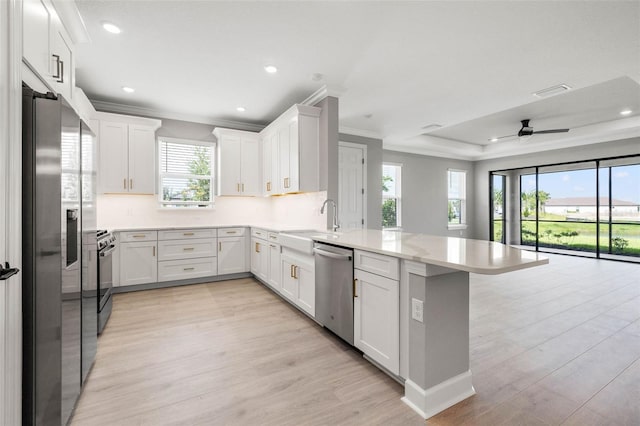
[107, 251]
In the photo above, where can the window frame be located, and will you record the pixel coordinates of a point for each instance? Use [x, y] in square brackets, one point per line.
[186, 205]
[463, 200]
[398, 197]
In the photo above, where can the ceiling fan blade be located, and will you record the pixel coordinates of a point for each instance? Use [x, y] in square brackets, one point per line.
[502, 138]
[551, 131]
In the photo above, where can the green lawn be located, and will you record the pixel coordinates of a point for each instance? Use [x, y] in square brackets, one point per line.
[580, 236]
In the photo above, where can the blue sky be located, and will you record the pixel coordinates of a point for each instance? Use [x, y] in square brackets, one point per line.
[582, 183]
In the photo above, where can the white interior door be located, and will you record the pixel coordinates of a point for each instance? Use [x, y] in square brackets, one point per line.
[351, 185]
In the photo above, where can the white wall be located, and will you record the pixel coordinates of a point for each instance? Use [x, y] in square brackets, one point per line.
[143, 211]
[424, 193]
[587, 152]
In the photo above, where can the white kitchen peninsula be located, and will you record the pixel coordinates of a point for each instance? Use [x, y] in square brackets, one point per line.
[434, 306]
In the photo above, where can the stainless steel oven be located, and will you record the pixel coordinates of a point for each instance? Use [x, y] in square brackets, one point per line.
[106, 247]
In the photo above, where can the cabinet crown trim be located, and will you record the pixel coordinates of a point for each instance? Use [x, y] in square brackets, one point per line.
[128, 119]
[295, 111]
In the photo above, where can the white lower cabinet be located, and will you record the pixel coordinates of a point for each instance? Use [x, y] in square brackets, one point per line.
[231, 255]
[138, 262]
[172, 270]
[376, 319]
[299, 280]
[274, 273]
[259, 258]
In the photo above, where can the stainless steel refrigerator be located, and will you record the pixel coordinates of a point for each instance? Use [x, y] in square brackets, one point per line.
[54, 345]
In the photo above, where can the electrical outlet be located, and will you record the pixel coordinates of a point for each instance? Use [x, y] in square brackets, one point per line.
[417, 312]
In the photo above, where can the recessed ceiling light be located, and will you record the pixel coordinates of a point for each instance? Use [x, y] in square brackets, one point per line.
[316, 76]
[271, 69]
[113, 29]
[626, 112]
[241, 109]
[493, 140]
[128, 89]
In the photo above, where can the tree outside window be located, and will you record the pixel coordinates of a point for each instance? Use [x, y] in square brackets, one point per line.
[186, 173]
[457, 181]
[391, 195]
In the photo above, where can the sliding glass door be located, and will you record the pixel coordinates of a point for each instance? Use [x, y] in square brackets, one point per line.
[589, 208]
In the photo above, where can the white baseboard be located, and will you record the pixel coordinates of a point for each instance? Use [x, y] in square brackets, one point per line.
[438, 398]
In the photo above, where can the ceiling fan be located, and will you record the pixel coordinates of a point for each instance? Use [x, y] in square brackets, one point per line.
[527, 131]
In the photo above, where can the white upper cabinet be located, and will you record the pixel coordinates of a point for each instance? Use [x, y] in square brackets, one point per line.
[291, 147]
[127, 154]
[47, 49]
[238, 162]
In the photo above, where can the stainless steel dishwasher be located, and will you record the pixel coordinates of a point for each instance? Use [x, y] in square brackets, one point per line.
[334, 289]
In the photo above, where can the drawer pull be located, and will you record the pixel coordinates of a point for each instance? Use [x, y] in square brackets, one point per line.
[188, 269]
[231, 232]
[188, 249]
[258, 233]
[187, 234]
[139, 236]
[273, 237]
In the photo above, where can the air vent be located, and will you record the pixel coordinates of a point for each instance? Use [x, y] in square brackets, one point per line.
[430, 128]
[555, 90]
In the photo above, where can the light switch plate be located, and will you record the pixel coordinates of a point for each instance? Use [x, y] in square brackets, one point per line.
[417, 312]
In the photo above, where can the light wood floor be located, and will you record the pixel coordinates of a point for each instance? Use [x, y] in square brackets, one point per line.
[558, 344]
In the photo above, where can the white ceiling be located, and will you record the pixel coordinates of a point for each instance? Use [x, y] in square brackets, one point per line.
[469, 66]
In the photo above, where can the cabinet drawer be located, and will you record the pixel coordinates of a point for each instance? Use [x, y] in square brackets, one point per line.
[186, 249]
[274, 237]
[131, 236]
[184, 269]
[230, 232]
[378, 264]
[259, 233]
[184, 234]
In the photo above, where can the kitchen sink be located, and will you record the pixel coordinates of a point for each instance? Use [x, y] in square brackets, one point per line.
[303, 240]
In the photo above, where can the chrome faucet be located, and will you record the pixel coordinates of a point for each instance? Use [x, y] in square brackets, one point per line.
[335, 212]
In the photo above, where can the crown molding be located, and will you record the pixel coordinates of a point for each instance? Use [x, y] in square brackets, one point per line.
[359, 132]
[72, 20]
[154, 113]
[322, 93]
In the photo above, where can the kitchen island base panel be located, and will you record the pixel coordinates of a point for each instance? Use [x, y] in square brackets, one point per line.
[432, 401]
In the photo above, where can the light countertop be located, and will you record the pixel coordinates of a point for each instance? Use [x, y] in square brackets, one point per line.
[266, 226]
[478, 256]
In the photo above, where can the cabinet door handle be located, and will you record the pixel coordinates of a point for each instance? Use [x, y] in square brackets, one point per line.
[257, 247]
[61, 80]
[154, 251]
[238, 185]
[268, 186]
[57, 74]
[220, 246]
[295, 271]
[355, 294]
[243, 187]
[124, 183]
[286, 182]
[291, 271]
[271, 245]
